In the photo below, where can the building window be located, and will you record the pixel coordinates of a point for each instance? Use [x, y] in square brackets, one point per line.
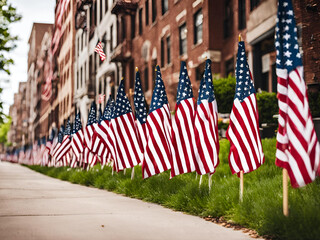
[229, 65]
[111, 38]
[183, 38]
[82, 41]
[146, 79]
[101, 10]
[228, 18]
[168, 50]
[253, 4]
[85, 74]
[147, 12]
[133, 25]
[242, 14]
[140, 21]
[154, 10]
[78, 84]
[78, 47]
[198, 21]
[106, 5]
[162, 52]
[165, 6]
[81, 75]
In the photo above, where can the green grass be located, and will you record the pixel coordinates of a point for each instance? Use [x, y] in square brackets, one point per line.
[261, 208]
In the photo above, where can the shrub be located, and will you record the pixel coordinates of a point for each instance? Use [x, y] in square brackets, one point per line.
[267, 107]
[224, 90]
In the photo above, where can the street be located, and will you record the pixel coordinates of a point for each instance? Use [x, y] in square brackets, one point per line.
[34, 206]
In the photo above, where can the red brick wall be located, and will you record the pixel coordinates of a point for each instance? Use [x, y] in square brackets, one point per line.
[307, 14]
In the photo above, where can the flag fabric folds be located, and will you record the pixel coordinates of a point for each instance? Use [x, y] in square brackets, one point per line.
[243, 132]
[101, 138]
[62, 154]
[89, 157]
[140, 111]
[206, 125]
[99, 49]
[55, 151]
[298, 148]
[183, 138]
[126, 145]
[158, 153]
[77, 141]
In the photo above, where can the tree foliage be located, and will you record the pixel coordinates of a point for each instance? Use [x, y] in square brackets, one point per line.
[8, 15]
[4, 128]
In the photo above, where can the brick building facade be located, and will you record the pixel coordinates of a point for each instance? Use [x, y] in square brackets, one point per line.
[18, 134]
[145, 33]
[166, 32]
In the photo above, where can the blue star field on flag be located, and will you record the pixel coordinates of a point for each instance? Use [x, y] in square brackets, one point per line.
[67, 130]
[206, 91]
[122, 103]
[139, 101]
[109, 109]
[92, 114]
[159, 96]
[286, 40]
[184, 88]
[244, 86]
[60, 134]
[77, 124]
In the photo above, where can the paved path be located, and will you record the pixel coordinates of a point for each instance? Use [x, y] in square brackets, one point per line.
[34, 206]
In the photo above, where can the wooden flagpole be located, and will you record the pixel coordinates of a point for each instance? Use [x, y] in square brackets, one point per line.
[285, 192]
[210, 181]
[241, 185]
[132, 173]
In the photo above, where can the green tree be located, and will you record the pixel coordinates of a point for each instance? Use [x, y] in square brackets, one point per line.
[8, 15]
[4, 128]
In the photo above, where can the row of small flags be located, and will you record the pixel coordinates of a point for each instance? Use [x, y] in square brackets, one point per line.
[188, 141]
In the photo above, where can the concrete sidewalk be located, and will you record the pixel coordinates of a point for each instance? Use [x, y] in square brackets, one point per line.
[34, 206]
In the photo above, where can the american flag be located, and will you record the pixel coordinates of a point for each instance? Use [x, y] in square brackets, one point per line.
[140, 111]
[206, 125]
[158, 153]
[99, 49]
[298, 148]
[58, 144]
[42, 151]
[62, 153]
[183, 138]
[77, 141]
[60, 10]
[89, 157]
[125, 142]
[101, 138]
[243, 132]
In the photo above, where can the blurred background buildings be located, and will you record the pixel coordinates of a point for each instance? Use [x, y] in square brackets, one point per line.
[65, 74]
